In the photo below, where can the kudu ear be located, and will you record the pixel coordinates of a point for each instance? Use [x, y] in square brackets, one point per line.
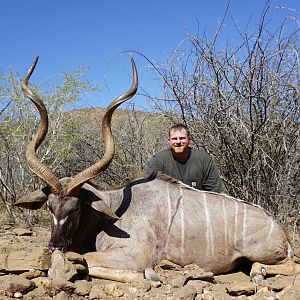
[101, 207]
[94, 198]
[34, 200]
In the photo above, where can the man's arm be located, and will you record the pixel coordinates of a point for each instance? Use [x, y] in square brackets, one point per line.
[153, 166]
[212, 181]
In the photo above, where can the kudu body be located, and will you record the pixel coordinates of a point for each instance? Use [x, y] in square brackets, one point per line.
[122, 232]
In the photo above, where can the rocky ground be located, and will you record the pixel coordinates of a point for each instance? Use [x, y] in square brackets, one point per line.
[27, 272]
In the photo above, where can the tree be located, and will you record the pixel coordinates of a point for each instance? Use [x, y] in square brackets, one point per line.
[18, 121]
[242, 104]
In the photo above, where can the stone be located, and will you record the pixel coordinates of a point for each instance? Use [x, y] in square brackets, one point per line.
[97, 293]
[18, 295]
[243, 288]
[13, 283]
[61, 269]
[142, 284]
[75, 258]
[132, 290]
[167, 265]
[297, 280]
[113, 289]
[42, 281]
[232, 278]
[197, 284]
[66, 267]
[193, 271]
[19, 260]
[82, 287]
[297, 251]
[150, 274]
[177, 280]
[33, 274]
[265, 293]
[279, 282]
[66, 286]
[154, 284]
[38, 293]
[185, 293]
[20, 231]
[290, 293]
[62, 296]
[218, 292]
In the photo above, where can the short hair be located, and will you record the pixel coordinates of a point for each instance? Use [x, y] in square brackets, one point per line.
[179, 126]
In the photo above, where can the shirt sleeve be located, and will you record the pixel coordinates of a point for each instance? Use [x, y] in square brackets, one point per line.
[212, 181]
[153, 166]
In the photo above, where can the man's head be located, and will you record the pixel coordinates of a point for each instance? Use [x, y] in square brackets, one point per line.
[179, 140]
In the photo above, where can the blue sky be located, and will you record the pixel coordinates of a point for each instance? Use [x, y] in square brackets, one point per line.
[71, 33]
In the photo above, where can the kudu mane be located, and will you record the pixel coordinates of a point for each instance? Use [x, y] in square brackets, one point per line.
[167, 178]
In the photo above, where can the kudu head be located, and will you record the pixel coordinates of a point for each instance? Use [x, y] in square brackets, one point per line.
[65, 197]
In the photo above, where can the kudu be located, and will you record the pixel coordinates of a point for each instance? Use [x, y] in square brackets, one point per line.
[123, 232]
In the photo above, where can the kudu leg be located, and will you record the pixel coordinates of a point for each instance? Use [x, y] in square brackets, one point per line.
[120, 264]
[259, 270]
[113, 274]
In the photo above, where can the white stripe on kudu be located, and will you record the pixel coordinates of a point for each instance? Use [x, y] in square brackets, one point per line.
[182, 223]
[225, 227]
[209, 231]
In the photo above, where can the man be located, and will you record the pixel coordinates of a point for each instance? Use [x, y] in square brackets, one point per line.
[194, 167]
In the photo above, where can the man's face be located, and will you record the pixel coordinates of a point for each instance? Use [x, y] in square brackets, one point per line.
[179, 140]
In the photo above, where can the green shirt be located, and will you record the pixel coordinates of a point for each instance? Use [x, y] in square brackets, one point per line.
[199, 171]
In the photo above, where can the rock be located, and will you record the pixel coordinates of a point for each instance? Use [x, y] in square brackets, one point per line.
[66, 267]
[13, 283]
[61, 269]
[218, 292]
[177, 280]
[133, 290]
[20, 231]
[142, 284]
[5, 297]
[13, 259]
[83, 287]
[42, 281]
[154, 284]
[66, 286]
[6, 227]
[265, 293]
[33, 274]
[97, 293]
[193, 271]
[150, 274]
[243, 288]
[75, 258]
[62, 296]
[113, 289]
[297, 280]
[187, 292]
[297, 252]
[19, 253]
[290, 293]
[278, 283]
[197, 284]
[232, 278]
[167, 265]
[38, 293]
[18, 295]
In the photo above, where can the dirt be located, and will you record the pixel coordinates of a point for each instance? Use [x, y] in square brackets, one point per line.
[24, 265]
